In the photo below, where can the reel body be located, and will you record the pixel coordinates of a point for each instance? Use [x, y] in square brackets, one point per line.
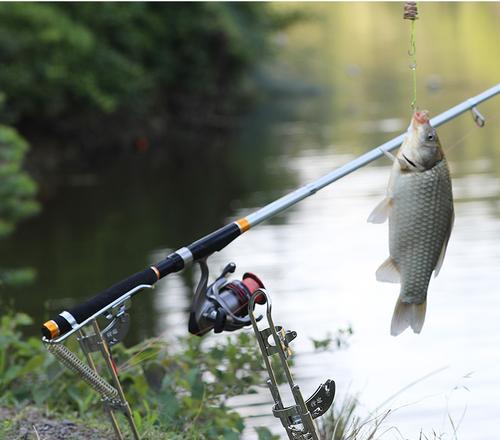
[222, 306]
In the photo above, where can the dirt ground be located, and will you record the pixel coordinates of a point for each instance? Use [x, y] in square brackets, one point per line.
[32, 424]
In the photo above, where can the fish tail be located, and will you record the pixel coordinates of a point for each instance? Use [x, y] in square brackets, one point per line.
[408, 315]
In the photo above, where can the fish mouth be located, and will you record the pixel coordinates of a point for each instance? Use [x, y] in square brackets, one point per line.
[421, 117]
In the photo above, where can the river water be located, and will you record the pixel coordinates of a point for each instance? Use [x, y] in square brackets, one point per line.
[339, 86]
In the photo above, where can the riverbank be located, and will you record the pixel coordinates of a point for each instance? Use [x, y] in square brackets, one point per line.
[176, 390]
[32, 423]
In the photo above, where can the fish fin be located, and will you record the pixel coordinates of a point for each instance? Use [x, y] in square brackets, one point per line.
[445, 245]
[408, 315]
[389, 155]
[388, 272]
[381, 211]
[403, 166]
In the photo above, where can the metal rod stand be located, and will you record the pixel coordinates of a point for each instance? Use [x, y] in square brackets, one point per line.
[112, 396]
[106, 353]
[297, 419]
[108, 409]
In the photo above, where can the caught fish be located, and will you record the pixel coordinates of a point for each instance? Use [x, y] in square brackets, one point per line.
[419, 206]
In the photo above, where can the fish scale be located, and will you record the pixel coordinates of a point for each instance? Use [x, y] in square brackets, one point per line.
[418, 227]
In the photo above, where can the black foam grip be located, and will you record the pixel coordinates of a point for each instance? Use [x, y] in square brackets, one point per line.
[93, 305]
[89, 307]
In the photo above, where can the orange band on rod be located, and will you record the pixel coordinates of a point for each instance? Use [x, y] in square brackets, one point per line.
[52, 327]
[243, 224]
[156, 271]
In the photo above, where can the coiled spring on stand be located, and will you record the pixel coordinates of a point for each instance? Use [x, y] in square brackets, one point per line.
[71, 361]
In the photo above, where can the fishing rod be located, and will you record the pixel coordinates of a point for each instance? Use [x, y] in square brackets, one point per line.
[221, 306]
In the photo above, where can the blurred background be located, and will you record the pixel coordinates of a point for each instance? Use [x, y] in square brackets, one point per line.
[131, 130]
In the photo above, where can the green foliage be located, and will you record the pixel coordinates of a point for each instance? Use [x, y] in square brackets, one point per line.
[186, 390]
[6, 428]
[62, 62]
[18, 358]
[173, 391]
[17, 192]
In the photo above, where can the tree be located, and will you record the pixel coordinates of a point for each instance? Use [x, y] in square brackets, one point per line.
[68, 68]
[17, 191]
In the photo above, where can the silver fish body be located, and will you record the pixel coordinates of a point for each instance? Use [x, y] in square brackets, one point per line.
[419, 206]
[419, 227]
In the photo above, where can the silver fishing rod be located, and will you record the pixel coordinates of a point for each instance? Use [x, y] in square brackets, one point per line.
[210, 310]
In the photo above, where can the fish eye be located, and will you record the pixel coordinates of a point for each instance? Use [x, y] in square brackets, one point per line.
[431, 137]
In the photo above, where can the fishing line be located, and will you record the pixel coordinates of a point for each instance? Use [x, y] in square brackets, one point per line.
[411, 13]
[413, 65]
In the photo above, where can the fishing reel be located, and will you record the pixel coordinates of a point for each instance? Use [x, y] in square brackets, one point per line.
[222, 306]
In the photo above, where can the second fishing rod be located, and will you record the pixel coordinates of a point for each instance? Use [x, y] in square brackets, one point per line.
[219, 305]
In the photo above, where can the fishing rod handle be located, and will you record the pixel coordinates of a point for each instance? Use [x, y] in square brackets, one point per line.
[174, 262]
[69, 319]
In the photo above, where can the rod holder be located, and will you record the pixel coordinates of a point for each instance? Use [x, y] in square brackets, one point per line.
[298, 418]
[99, 341]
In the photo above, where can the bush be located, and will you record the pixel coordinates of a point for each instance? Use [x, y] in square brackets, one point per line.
[17, 192]
[173, 393]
